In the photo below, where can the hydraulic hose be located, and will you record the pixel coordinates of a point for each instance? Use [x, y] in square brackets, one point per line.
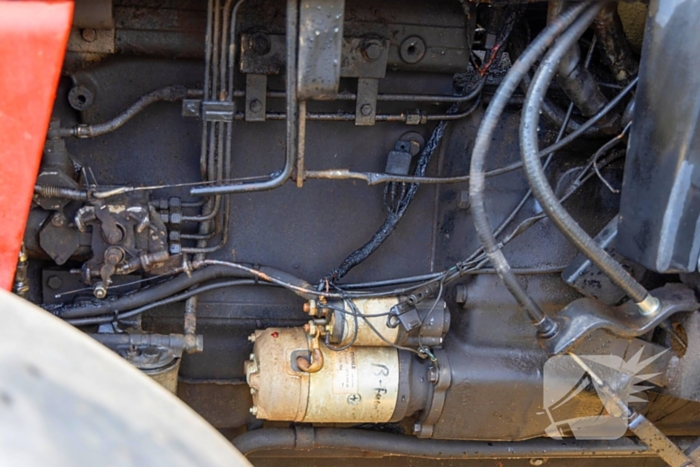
[540, 186]
[389, 444]
[171, 287]
[523, 64]
[167, 94]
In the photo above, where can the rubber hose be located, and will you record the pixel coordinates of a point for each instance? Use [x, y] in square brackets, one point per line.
[522, 65]
[390, 444]
[171, 287]
[529, 149]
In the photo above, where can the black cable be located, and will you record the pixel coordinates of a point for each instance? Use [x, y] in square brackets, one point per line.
[544, 325]
[174, 299]
[538, 182]
[180, 283]
[397, 212]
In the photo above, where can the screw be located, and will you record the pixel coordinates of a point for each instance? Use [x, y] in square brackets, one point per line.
[114, 256]
[372, 50]
[536, 461]
[417, 427]
[54, 282]
[366, 110]
[253, 391]
[354, 399]
[433, 375]
[251, 357]
[251, 338]
[99, 291]
[89, 35]
[192, 107]
[58, 220]
[461, 294]
[253, 410]
[115, 236]
[255, 105]
[260, 44]
[463, 202]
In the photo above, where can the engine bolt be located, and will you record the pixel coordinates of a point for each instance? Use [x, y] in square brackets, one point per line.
[366, 110]
[372, 50]
[253, 391]
[255, 105]
[307, 307]
[54, 282]
[251, 338]
[89, 35]
[433, 375]
[58, 220]
[254, 410]
[536, 461]
[99, 291]
[114, 256]
[417, 427]
[115, 236]
[461, 294]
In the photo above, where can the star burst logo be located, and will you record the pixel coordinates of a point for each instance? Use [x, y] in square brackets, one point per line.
[570, 390]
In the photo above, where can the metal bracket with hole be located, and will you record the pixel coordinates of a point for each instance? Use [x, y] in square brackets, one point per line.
[580, 317]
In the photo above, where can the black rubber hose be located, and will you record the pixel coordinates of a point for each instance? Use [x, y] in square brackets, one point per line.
[167, 94]
[171, 287]
[166, 301]
[522, 65]
[401, 445]
[529, 149]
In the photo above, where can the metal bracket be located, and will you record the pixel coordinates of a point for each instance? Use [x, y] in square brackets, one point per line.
[263, 54]
[320, 45]
[364, 58]
[366, 104]
[441, 377]
[585, 315]
[216, 111]
[255, 97]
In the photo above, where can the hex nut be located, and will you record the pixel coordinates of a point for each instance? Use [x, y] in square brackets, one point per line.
[54, 282]
[372, 50]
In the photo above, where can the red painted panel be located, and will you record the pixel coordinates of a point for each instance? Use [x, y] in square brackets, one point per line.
[33, 38]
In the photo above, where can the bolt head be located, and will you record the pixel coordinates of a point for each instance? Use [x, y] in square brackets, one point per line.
[417, 428]
[372, 50]
[253, 391]
[433, 375]
[461, 294]
[255, 105]
[99, 291]
[366, 110]
[536, 461]
[58, 220]
[251, 338]
[54, 282]
[89, 35]
[114, 256]
[253, 410]
[260, 44]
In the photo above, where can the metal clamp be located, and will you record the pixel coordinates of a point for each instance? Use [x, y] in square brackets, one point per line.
[441, 377]
[585, 315]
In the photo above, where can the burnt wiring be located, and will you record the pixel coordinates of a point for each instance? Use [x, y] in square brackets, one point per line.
[396, 206]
